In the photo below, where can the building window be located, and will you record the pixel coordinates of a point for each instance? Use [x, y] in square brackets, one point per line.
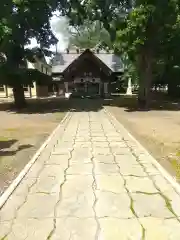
[1, 88]
[25, 86]
[42, 68]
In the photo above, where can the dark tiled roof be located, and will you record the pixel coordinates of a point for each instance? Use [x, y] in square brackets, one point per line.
[62, 60]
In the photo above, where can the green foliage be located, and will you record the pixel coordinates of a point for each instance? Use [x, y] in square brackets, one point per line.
[90, 35]
[20, 21]
[147, 30]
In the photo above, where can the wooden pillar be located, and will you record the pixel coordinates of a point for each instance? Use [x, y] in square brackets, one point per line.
[66, 85]
[100, 88]
[105, 88]
[30, 92]
[86, 87]
[6, 90]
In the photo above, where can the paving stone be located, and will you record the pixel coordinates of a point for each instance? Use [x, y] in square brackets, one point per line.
[112, 134]
[126, 159]
[45, 154]
[82, 152]
[79, 205]
[75, 229]
[96, 129]
[117, 145]
[100, 145]
[120, 229]
[81, 156]
[9, 210]
[101, 151]
[101, 168]
[85, 175]
[130, 142]
[31, 229]
[82, 145]
[140, 184]
[52, 171]
[135, 170]
[97, 134]
[80, 160]
[83, 139]
[24, 188]
[98, 139]
[125, 165]
[67, 139]
[120, 150]
[144, 158]
[47, 185]
[61, 141]
[62, 151]
[58, 160]
[68, 145]
[107, 159]
[83, 133]
[110, 183]
[174, 200]
[80, 169]
[150, 169]
[113, 205]
[146, 205]
[35, 170]
[156, 228]
[114, 139]
[5, 228]
[77, 184]
[162, 184]
[71, 134]
[138, 151]
[38, 205]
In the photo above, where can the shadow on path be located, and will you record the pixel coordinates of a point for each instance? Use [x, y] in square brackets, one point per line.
[7, 144]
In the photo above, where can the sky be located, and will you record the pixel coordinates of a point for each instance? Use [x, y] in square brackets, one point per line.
[60, 29]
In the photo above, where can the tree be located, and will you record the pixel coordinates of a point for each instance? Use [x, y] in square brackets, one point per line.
[89, 35]
[21, 21]
[144, 38]
[141, 28]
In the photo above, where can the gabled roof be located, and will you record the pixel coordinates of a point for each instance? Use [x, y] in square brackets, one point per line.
[86, 55]
[62, 60]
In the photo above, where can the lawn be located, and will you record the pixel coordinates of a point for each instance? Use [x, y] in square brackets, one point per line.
[22, 133]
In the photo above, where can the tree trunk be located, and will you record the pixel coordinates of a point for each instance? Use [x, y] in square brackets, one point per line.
[19, 98]
[146, 77]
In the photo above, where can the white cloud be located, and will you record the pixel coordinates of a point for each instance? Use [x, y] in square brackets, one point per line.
[60, 29]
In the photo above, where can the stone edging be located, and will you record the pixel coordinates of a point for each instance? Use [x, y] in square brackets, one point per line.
[167, 176]
[8, 192]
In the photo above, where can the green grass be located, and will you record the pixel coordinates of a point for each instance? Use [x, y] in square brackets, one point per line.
[12, 129]
[3, 138]
[176, 167]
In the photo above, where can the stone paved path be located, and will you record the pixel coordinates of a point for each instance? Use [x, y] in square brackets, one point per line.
[92, 182]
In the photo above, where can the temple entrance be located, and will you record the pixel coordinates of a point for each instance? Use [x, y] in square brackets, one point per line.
[92, 89]
[79, 88]
[87, 86]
